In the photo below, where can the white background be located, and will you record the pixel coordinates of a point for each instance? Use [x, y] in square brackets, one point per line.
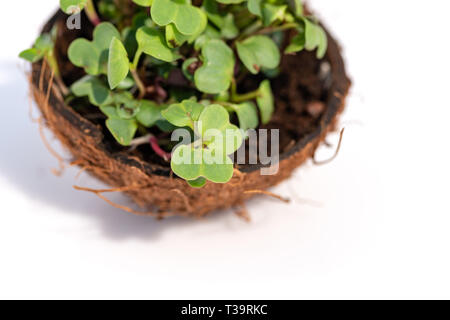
[373, 224]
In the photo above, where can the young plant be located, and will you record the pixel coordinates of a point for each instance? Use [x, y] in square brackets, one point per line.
[156, 66]
[215, 138]
[42, 48]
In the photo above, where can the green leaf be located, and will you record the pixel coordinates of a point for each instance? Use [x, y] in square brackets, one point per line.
[298, 8]
[43, 46]
[94, 89]
[258, 51]
[129, 33]
[255, 7]
[82, 53]
[193, 163]
[32, 55]
[229, 29]
[212, 11]
[144, 3]
[93, 55]
[165, 126]
[225, 23]
[218, 66]
[323, 43]
[118, 63]
[209, 34]
[247, 115]
[174, 38]
[44, 43]
[183, 114]
[110, 111]
[269, 12]
[127, 107]
[230, 1]
[315, 38]
[199, 183]
[152, 42]
[215, 123]
[149, 113]
[122, 130]
[265, 101]
[126, 84]
[72, 6]
[297, 44]
[189, 20]
[272, 12]
[208, 157]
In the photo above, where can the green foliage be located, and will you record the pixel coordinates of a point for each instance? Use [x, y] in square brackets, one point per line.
[247, 115]
[223, 21]
[149, 113]
[311, 36]
[265, 101]
[258, 52]
[118, 63]
[42, 48]
[72, 6]
[123, 130]
[206, 158]
[218, 65]
[93, 55]
[188, 20]
[168, 64]
[268, 11]
[183, 114]
[94, 89]
[152, 42]
[144, 3]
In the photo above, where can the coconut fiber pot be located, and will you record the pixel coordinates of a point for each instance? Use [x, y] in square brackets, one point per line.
[309, 95]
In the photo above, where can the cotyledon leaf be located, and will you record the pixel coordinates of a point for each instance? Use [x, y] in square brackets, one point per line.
[118, 63]
[258, 52]
[93, 55]
[188, 19]
[215, 75]
[93, 88]
[152, 42]
[265, 101]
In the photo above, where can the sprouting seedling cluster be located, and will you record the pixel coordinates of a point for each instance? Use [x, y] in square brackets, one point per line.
[168, 64]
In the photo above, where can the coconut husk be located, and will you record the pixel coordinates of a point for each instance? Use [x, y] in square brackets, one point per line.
[152, 185]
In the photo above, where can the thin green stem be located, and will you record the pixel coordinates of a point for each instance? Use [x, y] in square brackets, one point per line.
[135, 63]
[283, 27]
[227, 105]
[250, 30]
[139, 83]
[238, 98]
[268, 30]
[233, 87]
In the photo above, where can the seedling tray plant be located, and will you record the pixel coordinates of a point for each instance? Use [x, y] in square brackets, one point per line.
[122, 82]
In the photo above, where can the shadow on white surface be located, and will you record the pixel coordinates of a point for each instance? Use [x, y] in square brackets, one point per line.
[26, 164]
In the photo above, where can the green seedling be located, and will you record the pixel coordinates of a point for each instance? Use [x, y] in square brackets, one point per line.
[206, 158]
[163, 65]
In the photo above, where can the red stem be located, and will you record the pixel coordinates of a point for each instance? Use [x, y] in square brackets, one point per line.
[160, 152]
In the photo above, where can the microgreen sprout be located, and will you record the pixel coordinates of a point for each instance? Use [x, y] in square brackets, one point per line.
[165, 65]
